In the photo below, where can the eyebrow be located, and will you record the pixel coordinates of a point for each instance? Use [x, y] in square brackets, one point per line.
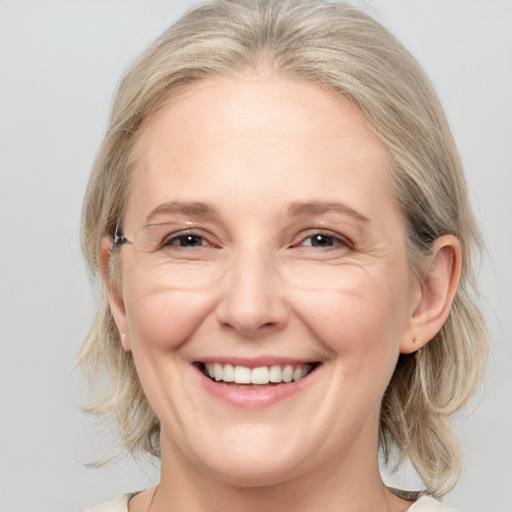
[195, 208]
[298, 208]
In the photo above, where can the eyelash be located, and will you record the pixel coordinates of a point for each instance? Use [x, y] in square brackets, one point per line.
[337, 240]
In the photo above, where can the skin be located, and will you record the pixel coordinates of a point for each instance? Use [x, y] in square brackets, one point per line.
[251, 147]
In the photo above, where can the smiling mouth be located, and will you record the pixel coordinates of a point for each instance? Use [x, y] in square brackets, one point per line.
[244, 376]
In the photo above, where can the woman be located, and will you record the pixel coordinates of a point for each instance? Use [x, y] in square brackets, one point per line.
[280, 220]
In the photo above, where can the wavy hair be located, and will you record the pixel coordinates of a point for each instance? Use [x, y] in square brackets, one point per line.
[351, 55]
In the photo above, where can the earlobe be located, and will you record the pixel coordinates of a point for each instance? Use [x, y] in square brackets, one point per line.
[438, 286]
[125, 342]
[114, 291]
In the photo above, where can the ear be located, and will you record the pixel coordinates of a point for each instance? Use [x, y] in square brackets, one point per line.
[437, 287]
[114, 291]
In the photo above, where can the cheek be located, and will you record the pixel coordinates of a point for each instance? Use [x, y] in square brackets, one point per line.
[360, 317]
[162, 319]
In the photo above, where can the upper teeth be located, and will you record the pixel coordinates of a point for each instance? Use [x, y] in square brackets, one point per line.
[260, 375]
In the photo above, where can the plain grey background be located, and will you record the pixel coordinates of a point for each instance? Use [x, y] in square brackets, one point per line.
[59, 62]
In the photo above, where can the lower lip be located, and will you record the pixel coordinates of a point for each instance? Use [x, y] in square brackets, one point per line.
[254, 398]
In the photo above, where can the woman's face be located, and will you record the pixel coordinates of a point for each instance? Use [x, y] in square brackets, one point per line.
[268, 247]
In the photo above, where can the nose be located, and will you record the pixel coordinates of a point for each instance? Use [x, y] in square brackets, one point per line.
[251, 301]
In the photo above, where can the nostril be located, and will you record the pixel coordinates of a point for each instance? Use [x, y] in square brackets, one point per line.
[251, 326]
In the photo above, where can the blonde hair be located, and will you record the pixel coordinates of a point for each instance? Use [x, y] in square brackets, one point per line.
[351, 55]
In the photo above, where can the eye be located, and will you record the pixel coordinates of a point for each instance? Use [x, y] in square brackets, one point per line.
[186, 239]
[320, 240]
[324, 241]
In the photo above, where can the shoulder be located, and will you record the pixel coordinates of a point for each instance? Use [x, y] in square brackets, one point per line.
[119, 504]
[427, 504]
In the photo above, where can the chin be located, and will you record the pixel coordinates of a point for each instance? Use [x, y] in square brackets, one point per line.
[254, 474]
[253, 462]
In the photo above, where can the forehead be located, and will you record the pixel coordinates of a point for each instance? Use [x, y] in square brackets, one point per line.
[262, 137]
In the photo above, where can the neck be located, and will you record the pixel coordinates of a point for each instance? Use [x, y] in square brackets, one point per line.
[351, 483]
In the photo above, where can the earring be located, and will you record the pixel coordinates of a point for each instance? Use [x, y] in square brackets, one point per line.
[415, 339]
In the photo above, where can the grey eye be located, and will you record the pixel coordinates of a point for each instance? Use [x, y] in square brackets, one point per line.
[186, 240]
[321, 240]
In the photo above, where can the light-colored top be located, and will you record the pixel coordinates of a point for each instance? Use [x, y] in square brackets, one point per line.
[428, 504]
[120, 504]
